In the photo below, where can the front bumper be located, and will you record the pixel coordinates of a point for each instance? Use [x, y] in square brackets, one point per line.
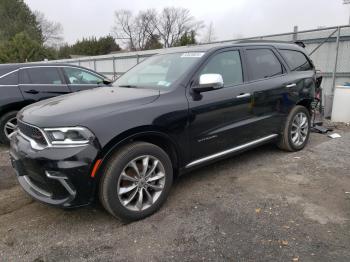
[56, 176]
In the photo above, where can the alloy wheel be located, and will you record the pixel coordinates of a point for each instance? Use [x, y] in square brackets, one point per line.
[10, 127]
[141, 183]
[300, 128]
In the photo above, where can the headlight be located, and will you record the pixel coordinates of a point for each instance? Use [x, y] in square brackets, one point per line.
[69, 136]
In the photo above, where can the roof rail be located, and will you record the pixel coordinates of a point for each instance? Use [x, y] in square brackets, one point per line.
[299, 43]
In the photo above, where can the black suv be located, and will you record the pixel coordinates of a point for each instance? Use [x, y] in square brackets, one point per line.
[173, 112]
[24, 84]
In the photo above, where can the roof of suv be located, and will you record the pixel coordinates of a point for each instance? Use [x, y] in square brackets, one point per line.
[215, 46]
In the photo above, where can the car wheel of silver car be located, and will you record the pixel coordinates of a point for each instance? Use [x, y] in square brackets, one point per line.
[8, 125]
[296, 130]
[136, 181]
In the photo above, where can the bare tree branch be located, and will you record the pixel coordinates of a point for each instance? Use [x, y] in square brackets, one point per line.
[210, 34]
[124, 27]
[136, 31]
[173, 22]
[51, 31]
[141, 30]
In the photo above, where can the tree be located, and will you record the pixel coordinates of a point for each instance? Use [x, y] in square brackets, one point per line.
[107, 45]
[135, 31]
[16, 17]
[188, 38]
[64, 51]
[51, 31]
[145, 28]
[210, 34]
[89, 46]
[173, 23]
[21, 48]
[153, 43]
[167, 27]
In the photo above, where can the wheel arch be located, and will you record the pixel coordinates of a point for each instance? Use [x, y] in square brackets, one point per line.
[145, 134]
[307, 103]
[16, 106]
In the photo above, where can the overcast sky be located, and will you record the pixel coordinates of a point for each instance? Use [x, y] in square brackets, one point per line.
[231, 18]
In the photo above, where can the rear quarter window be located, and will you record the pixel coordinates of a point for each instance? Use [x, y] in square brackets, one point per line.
[296, 60]
[10, 79]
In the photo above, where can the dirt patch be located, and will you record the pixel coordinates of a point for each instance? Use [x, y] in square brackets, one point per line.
[263, 205]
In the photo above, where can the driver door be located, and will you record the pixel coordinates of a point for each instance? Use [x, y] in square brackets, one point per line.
[219, 119]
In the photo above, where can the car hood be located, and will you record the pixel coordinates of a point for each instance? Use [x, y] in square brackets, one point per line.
[81, 107]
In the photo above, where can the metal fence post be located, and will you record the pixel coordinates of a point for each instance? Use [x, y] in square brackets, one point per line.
[295, 34]
[114, 73]
[94, 64]
[336, 60]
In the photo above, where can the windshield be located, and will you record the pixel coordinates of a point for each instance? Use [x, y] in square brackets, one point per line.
[159, 71]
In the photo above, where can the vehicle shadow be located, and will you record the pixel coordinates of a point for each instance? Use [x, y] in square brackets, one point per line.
[231, 162]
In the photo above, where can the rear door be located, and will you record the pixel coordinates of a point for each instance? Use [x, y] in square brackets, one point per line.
[9, 91]
[79, 79]
[38, 83]
[268, 82]
[302, 78]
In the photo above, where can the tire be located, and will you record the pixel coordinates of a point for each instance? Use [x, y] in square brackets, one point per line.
[113, 192]
[288, 140]
[4, 120]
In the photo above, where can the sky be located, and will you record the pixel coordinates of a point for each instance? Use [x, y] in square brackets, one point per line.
[231, 18]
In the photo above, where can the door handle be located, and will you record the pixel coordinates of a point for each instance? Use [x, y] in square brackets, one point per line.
[291, 85]
[32, 91]
[243, 95]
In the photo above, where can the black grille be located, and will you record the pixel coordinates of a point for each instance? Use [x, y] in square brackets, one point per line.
[32, 132]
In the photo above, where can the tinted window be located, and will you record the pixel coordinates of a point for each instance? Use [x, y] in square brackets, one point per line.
[228, 64]
[78, 76]
[23, 77]
[44, 75]
[10, 79]
[263, 63]
[296, 60]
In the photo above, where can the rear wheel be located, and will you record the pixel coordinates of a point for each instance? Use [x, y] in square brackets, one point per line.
[8, 125]
[136, 181]
[296, 130]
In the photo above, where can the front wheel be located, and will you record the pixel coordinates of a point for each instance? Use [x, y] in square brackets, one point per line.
[8, 125]
[136, 181]
[296, 130]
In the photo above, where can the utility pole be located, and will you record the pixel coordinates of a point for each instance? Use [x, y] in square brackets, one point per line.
[346, 2]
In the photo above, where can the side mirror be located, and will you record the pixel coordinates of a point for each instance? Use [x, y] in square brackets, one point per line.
[208, 82]
[106, 81]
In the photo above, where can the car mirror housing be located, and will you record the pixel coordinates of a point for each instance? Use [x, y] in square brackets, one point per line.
[107, 81]
[208, 82]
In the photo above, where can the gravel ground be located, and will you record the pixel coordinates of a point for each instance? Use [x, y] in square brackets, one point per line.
[264, 205]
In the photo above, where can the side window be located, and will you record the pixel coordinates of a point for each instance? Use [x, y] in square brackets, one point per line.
[78, 76]
[263, 64]
[23, 77]
[10, 79]
[296, 60]
[44, 75]
[228, 64]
